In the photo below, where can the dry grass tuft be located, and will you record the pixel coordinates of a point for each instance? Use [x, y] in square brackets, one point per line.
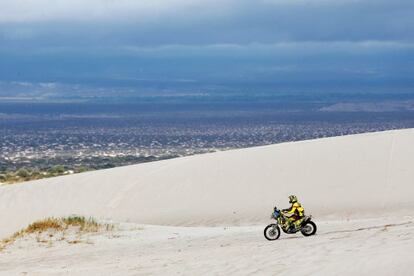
[44, 225]
[80, 224]
[85, 225]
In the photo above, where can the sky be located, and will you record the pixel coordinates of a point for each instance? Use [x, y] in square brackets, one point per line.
[280, 43]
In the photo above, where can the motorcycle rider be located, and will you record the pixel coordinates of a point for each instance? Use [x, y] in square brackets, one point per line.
[295, 213]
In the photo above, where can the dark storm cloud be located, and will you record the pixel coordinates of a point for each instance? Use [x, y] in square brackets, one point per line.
[211, 22]
[243, 39]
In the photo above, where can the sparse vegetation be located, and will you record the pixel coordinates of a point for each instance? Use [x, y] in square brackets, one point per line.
[85, 225]
[27, 174]
[11, 173]
[23, 173]
[44, 225]
[51, 226]
[57, 170]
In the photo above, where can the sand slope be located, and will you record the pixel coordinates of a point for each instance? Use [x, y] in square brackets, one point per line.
[361, 247]
[359, 189]
[351, 176]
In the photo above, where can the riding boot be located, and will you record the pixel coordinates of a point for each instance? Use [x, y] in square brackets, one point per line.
[292, 228]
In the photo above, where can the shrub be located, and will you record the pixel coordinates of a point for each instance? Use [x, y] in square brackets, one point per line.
[88, 225]
[82, 169]
[62, 224]
[44, 225]
[58, 169]
[23, 173]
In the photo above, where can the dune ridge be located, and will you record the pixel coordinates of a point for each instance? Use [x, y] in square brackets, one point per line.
[363, 175]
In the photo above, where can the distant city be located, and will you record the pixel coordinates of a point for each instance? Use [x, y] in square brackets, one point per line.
[89, 136]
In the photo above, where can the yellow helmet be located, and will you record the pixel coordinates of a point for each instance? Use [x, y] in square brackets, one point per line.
[293, 199]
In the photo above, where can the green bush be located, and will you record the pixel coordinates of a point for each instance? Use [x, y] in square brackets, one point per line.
[36, 174]
[82, 169]
[23, 173]
[59, 169]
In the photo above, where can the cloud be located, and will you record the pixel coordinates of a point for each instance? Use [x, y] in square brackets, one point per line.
[153, 10]
[97, 40]
[296, 62]
[92, 10]
[271, 49]
[155, 22]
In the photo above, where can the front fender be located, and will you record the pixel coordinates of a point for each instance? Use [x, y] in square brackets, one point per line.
[306, 219]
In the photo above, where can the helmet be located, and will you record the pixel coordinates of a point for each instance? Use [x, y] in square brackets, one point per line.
[293, 199]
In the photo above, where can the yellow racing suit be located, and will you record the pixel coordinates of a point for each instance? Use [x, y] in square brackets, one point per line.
[296, 212]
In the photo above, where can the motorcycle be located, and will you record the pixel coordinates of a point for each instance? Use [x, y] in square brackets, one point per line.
[272, 232]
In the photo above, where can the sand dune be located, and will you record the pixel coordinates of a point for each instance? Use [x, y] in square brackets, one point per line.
[360, 247]
[359, 189]
[343, 177]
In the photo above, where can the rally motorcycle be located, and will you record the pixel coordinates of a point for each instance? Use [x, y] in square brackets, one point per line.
[272, 232]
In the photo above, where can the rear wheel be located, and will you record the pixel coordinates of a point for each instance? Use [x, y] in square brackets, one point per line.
[272, 232]
[308, 229]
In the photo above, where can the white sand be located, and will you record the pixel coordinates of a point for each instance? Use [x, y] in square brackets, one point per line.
[363, 247]
[362, 177]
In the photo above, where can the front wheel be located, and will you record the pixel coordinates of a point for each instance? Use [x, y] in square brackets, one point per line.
[308, 229]
[272, 232]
